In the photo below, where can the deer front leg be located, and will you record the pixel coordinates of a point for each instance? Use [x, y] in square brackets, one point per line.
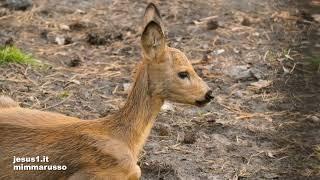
[115, 173]
[80, 175]
[136, 174]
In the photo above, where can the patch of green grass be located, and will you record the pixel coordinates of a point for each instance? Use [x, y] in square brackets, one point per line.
[317, 150]
[278, 55]
[317, 153]
[315, 61]
[11, 54]
[64, 94]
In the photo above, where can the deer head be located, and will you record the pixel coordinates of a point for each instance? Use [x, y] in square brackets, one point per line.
[171, 75]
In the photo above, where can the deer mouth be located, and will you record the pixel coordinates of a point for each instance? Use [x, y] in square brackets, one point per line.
[202, 103]
[208, 97]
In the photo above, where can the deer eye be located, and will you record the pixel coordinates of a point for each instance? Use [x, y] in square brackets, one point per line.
[183, 75]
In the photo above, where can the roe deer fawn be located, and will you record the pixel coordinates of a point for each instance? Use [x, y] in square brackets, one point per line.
[105, 148]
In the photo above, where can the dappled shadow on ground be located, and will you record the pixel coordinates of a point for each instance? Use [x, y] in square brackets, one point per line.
[298, 129]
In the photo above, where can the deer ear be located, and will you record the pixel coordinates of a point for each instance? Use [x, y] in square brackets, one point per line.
[152, 14]
[153, 41]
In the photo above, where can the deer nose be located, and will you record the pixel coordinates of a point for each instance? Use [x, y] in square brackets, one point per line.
[209, 95]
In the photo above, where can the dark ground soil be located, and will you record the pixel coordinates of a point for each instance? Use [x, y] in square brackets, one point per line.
[255, 54]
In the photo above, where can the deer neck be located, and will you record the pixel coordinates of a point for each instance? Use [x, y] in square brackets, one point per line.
[135, 119]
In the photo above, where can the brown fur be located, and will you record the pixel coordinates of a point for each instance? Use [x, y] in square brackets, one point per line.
[105, 148]
[6, 102]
